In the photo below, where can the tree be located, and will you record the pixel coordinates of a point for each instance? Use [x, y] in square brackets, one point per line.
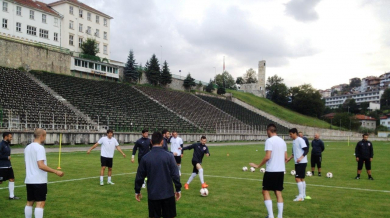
[90, 47]
[199, 85]
[226, 78]
[221, 91]
[351, 106]
[153, 70]
[364, 107]
[306, 100]
[276, 90]
[189, 82]
[385, 99]
[240, 80]
[355, 82]
[130, 71]
[210, 87]
[250, 76]
[166, 76]
[346, 120]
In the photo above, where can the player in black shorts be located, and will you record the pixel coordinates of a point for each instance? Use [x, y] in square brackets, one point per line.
[6, 171]
[316, 153]
[364, 153]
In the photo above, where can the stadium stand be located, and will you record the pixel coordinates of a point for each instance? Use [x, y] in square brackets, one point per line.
[115, 105]
[194, 109]
[26, 105]
[247, 116]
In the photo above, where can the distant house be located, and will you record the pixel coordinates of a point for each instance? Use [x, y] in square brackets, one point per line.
[385, 120]
[366, 121]
[329, 116]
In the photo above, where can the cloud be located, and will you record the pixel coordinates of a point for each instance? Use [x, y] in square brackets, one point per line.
[302, 10]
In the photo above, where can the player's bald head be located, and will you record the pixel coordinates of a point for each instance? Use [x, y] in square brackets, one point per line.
[38, 133]
[316, 136]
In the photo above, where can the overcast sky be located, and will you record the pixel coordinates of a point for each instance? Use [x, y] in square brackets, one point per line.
[322, 42]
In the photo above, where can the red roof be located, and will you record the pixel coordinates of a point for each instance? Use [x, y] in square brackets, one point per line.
[37, 5]
[80, 4]
[364, 117]
[383, 117]
[330, 115]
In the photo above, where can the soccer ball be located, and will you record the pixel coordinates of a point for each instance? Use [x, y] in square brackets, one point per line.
[308, 173]
[253, 169]
[262, 170]
[204, 192]
[329, 175]
[293, 172]
[245, 169]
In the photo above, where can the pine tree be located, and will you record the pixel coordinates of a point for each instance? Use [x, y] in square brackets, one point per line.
[221, 91]
[130, 72]
[189, 82]
[210, 87]
[166, 76]
[153, 70]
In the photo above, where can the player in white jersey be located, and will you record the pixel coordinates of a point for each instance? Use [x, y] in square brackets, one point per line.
[176, 143]
[109, 144]
[275, 158]
[36, 175]
[299, 154]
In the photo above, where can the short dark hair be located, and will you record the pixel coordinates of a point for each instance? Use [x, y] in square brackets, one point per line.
[174, 131]
[145, 130]
[293, 130]
[365, 134]
[5, 134]
[110, 131]
[164, 131]
[272, 128]
[157, 138]
[203, 137]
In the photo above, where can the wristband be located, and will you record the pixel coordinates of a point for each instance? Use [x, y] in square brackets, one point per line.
[132, 156]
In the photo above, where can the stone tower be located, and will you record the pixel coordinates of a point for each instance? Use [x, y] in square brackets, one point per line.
[261, 77]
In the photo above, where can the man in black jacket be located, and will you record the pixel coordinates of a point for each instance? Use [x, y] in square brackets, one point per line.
[364, 153]
[166, 139]
[316, 153]
[6, 171]
[160, 168]
[143, 145]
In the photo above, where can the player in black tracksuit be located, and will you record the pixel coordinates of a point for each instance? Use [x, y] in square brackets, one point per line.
[316, 153]
[143, 145]
[167, 139]
[364, 153]
[6, 171]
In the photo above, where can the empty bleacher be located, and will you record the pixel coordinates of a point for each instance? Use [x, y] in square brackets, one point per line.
[247, 116]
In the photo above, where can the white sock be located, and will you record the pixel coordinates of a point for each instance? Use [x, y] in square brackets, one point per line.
[191, 178]
[280, 210]
[11, 187]
[268, 205]
[38, 212]
[304, 189]
[201, 176]
[179, 167]
[300, 189]
[109, 179]
[28, 211]
[101, 178]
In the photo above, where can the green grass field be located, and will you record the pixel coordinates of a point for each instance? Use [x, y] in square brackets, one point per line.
[233, 193]
[283, 113]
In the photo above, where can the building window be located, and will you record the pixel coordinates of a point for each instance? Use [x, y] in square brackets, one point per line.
[97, 19]
[5, 23]
[55, 21]
[81, 13]
[70, 39]
[105, 21]
[18, 27]
[80, 27]
[98, 46]
[80, 42]
[32, 14]
[43, 33]
[19, 10]
[43, 18]
[31, 30]
[70, 9]
[56, 37]
[89, 30]
[104, 49]
[5, 6]
[71, 24]
[97, 33]
[89, 16]
[105, 35]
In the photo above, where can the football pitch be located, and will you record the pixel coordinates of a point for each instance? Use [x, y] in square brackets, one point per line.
[232, 192]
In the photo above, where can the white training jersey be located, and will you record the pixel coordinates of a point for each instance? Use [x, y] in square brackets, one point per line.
[298, 145]
[108, 146]
[175, 145]
[277, 161]
[33, 153]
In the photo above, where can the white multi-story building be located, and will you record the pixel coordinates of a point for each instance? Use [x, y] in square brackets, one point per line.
[30, 20]
[335, 101]
[81, 22]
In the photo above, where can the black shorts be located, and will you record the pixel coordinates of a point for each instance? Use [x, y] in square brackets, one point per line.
[162, 208]
[273, 181]
[195, 170]
[316, 159]
[300, 170]
[367, 163]
[36, 192]
[178, 159]
[6, 174]
[106, 161]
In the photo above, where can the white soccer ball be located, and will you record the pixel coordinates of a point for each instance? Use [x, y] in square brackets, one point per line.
[245, 169]
[253, 169]
[262, 170]
[329, 175]
[293, 172]
[308, 173]
[204, 192]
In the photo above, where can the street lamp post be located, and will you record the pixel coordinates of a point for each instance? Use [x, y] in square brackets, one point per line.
[215, 78]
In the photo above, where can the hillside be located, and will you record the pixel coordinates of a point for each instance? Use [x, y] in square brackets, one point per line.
[278, 111]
